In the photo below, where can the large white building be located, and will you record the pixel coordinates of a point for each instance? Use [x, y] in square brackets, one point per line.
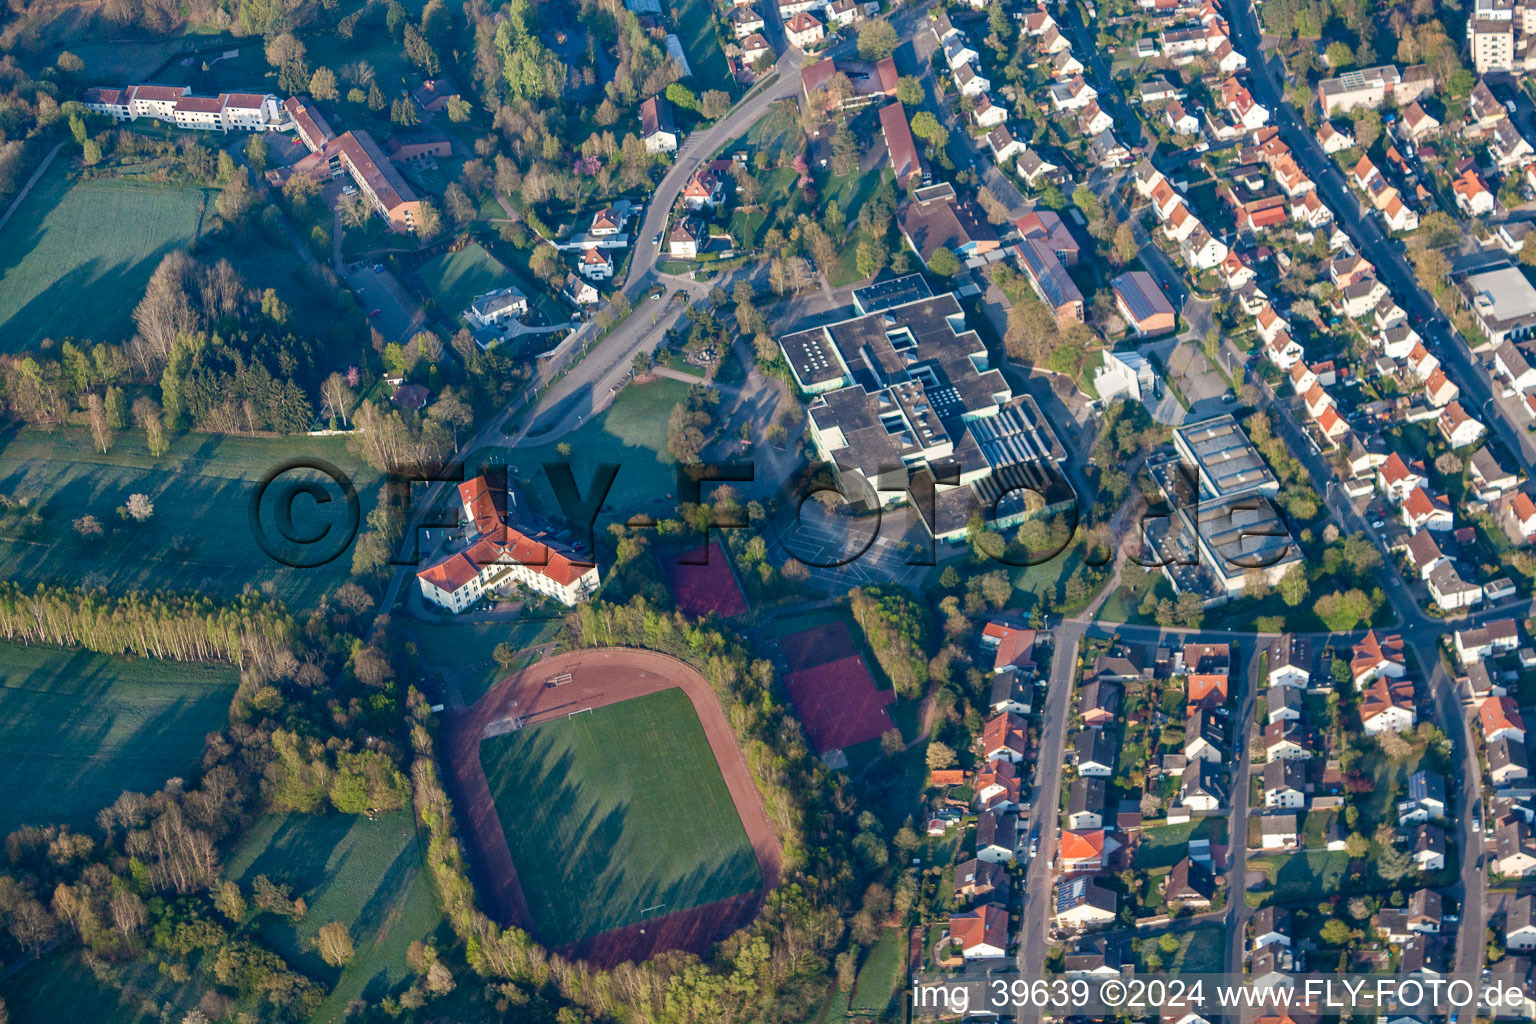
[503, 557]
[175, 104]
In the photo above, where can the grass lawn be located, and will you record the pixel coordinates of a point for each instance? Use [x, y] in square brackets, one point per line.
[199, 538]
[1201, 951]
[78, 729]
[615, 812]
[880, 974]
[468, 647]
[1166, 845]
[126, 60]
[1311, 875]
[62, 988]
[96, 238]
[365, 874]
[701, 45]
[631, 432]
[455, 278]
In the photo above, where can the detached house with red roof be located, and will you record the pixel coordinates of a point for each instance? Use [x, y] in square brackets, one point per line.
[1500, 719]
[1459, 428]
[1377, 656]
[1005, 738]
[501, 557]
[804, 30]
[981, 933]
[1386, 705]
[1012, 646]
[1397, 479]
[1423, 511]
[1522, 515]
[704, 189]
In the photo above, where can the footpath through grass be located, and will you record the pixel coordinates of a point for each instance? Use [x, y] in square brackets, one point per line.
[76, 256]
[199, 538]
[368, 875]
[616, 815]
[79, 729]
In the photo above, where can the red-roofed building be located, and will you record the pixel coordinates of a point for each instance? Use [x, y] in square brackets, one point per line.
[998, 786]
[1423, 511]
[1377, 656]
[1207, 667]
[1005, 737]
[1500, 719]
[1082, 851]
[1522, 510]
[981, 933]
[175, 104]
[1012, 646]
[502, 557]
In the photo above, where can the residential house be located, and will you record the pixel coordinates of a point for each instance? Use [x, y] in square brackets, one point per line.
[1201, 786]
[1514, 853]
[1082, 903]
[1500, 718]
[657, 130]
[997, 837]
[1285, 785]
[1290, 661]
[982, 932]
[1189, 884]
[1085, 804]
[1278, 832]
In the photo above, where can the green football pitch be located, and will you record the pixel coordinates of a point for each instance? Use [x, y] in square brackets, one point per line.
[617, 815]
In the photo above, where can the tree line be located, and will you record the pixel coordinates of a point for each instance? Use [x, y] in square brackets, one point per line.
[252, 631]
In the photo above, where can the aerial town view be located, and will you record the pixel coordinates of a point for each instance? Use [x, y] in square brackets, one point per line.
[767, 511]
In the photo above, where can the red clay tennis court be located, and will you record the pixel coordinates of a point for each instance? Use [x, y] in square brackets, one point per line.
[839, 705]
[702, 589]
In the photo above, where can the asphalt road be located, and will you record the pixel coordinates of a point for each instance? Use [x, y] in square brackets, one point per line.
[695, 149]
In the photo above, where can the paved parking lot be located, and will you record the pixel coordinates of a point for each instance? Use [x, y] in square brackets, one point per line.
[826, 538]
[399, 317]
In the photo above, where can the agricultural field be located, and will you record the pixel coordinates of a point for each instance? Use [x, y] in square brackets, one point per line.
[632, 432]
[617, 813]
[368, 875]
[79, 729]
[96, 238]
[199, 537]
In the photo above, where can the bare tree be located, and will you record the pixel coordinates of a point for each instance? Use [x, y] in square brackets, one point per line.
[165, 312]
[128, 913]
[139, 507]
[100, 432]
[88, 526]
[334, 944]
[146, 413]
[337, 397]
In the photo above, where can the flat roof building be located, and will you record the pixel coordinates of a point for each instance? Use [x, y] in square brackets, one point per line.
[1225, 460]
[1502, 302]
[908, 388]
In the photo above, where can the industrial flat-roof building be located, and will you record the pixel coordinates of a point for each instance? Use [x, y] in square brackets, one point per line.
[1225, 461]
[908, 389]
[1502, 302]
[1229, 529]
